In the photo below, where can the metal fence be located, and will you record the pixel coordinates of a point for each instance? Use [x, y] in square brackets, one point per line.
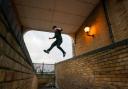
[42, 68]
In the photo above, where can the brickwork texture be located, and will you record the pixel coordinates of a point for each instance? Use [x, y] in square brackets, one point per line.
[45, 80]
[98, 26]
[15, 71]
[104, 68]
[118, 14]
[118, 17]
[98, 65]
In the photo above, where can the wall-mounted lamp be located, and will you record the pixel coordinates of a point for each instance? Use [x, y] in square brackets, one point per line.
[87, 30]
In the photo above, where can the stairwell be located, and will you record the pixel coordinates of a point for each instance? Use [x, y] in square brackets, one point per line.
[103, 68]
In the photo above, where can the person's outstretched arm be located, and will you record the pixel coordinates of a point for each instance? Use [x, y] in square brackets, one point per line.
[60, 29]
[52, 37]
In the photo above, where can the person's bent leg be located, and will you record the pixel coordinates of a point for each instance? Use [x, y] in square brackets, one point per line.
[53, 45]
[58, 46]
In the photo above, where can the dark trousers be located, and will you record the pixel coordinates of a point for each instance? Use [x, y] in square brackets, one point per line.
[56, 43]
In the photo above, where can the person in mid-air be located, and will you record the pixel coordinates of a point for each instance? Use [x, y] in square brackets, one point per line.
[58, 40]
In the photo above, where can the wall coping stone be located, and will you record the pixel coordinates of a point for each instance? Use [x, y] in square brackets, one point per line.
[111, 46]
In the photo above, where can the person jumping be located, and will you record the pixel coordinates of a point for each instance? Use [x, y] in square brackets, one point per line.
[58, 40]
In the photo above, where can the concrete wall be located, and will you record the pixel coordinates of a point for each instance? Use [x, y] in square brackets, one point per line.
[104, 68]
[98, 25]
[16, 71]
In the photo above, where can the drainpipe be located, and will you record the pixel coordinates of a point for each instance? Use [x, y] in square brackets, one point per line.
[105, 6]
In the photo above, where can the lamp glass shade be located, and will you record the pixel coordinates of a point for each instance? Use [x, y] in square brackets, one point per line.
[87, 29]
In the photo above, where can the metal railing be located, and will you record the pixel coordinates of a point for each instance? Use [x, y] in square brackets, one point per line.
[42, 68]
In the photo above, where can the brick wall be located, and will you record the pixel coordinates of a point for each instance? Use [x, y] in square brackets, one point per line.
[104, 68]
[46, 80]
[118, 14]
[16, 71]
[98, 25]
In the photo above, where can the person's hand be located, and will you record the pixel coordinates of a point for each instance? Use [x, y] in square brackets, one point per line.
[51, 37]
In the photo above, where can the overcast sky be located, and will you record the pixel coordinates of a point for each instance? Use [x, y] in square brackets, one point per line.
[37, 41]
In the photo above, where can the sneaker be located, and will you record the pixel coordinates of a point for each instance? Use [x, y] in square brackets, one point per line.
[64, 54]
[46, 51]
